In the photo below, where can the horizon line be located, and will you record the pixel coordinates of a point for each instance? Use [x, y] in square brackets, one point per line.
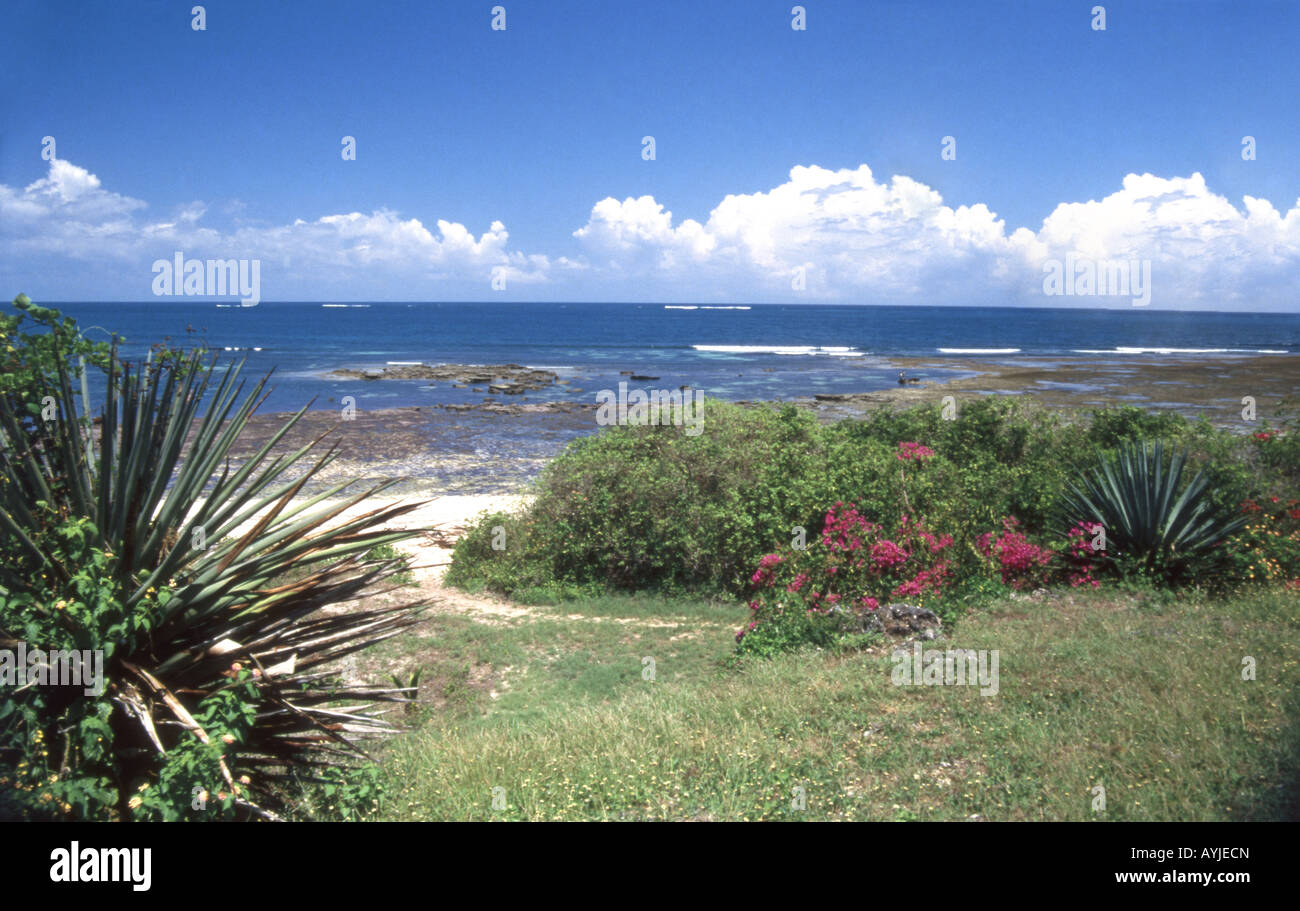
[1121, 309]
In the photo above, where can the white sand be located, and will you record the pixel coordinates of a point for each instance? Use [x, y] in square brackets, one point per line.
[451, 515]
[448, 516]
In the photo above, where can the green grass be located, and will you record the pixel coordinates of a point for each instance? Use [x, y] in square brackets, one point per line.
[1142, 696]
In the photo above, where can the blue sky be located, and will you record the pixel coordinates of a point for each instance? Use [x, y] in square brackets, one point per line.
[226, 142]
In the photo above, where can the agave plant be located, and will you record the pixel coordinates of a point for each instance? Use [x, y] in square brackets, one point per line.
[211, 577]
[1151, 520]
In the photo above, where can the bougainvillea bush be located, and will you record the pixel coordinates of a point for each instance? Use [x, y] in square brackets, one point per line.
[818, 595]
[1021, 564]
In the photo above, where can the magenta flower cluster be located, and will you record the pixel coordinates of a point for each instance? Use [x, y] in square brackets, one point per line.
[1022, 563]
[851, 566]
[1080, 555]
[913, 452]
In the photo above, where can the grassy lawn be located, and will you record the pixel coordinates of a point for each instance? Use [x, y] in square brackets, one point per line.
[1141, 696]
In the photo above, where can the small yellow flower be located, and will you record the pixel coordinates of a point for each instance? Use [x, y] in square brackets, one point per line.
[134, 802]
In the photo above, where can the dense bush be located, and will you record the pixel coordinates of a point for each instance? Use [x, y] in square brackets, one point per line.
[645, 507]
[1267, 550]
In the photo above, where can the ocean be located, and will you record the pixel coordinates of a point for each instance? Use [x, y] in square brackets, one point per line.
[729, 352]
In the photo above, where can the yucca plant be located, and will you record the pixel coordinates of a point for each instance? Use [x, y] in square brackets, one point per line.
[203, 583]
[1153, 523]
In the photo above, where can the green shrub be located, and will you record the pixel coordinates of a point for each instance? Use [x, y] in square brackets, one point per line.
[643, 508]
[387, 553]
[1266, 551]
[651, 508]
[1119, 424]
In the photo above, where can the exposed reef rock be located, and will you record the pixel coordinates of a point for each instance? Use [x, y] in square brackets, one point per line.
[501, 379]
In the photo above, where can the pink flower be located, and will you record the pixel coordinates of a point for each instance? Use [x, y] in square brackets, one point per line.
[913, 452]
[927, 579]
[763, 575]
[1020, 560]
[886, 554]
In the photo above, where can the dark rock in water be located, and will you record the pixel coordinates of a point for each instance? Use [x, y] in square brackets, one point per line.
[526, 379]
[642, 379]
[899, 620]
[832, 396]
[625, 373]
[461, 386]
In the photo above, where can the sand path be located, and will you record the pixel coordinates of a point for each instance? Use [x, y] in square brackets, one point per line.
[440, 522]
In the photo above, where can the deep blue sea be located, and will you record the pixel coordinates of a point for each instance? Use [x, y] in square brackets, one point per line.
[758, 352]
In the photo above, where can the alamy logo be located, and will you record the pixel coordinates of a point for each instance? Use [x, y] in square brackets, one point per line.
[659, 407]
[213, 277]
[103, 865]
[1085, 277]
[59, 667]
[947, 667]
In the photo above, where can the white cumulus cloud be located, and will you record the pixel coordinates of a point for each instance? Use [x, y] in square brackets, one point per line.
[854, 238]
[857, 239]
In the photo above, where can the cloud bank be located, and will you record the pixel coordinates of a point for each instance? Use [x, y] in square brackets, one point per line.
[822, 236]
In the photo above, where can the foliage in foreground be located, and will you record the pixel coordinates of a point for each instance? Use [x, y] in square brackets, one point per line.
[131, 539]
